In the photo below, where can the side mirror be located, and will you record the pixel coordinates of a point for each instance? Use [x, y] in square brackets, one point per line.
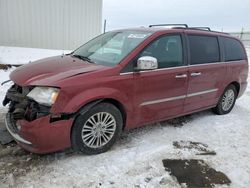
[146, 63]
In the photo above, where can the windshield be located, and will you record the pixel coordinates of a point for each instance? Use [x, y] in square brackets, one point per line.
[110, 48]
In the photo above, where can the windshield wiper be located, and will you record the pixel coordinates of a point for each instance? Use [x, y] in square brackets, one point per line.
[84, 58]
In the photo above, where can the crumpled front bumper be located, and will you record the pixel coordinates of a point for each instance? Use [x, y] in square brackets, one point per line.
[40, 136]
[13, 130]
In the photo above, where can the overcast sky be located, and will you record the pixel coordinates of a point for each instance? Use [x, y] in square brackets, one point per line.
[229, 15]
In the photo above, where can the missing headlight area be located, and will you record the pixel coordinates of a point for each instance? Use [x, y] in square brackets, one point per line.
[21, 107]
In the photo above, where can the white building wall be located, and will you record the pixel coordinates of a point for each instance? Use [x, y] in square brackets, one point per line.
[53, 24]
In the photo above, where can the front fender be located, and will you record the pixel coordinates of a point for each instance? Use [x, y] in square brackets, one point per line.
[83, 98]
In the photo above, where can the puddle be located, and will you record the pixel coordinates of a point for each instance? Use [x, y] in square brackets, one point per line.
[195, 173]
[198, 147]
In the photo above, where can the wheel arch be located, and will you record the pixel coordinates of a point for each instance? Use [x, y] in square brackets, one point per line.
[120, 107]
[94, 102]
[237, 86]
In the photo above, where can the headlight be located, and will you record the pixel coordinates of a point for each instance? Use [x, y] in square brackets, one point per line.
[44, 95]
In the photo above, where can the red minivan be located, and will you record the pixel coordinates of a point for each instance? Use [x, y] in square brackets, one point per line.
[121, 80]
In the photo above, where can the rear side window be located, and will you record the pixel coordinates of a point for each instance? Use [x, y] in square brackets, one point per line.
[233, 49]
[203, 49]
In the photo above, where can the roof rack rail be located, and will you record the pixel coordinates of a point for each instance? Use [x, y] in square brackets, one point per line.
[181, 26]
[201, 28]
[158, 25]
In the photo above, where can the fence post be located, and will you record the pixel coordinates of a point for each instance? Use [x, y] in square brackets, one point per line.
[242, 32]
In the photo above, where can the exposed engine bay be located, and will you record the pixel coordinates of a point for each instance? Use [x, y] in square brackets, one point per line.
[22, 107]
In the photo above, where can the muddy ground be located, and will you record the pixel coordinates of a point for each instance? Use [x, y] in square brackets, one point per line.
[195, 173]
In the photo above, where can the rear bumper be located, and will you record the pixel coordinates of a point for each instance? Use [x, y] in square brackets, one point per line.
[40, 136]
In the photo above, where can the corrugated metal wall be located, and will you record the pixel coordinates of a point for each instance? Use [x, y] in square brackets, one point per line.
[53, 24]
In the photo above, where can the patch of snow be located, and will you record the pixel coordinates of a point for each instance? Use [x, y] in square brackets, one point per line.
[3, 88]
[139, 157]
[17, 55]
[136, 159]
[248, 52]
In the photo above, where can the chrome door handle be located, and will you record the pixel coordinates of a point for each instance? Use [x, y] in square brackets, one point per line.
[195, 74]
[181, 76]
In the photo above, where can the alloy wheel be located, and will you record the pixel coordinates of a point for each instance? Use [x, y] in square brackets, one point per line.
[228, 99]
[99, 129]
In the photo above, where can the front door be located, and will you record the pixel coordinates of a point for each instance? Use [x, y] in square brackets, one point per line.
[161, 92]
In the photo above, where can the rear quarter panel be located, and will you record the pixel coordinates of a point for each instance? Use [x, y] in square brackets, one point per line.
[237, 71]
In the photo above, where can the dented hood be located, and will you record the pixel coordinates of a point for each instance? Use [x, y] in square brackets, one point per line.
[48, 71]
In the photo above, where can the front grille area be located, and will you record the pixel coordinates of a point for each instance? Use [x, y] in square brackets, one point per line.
[21, 107]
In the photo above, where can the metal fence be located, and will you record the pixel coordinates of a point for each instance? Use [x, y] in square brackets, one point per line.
[244, 36]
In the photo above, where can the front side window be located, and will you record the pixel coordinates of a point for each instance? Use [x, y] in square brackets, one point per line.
[203, 49]
[233, 49]
[167, 50]
[110, 48]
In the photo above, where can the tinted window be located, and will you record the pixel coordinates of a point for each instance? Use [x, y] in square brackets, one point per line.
[167, 50]
[233, 50]
[203, 49]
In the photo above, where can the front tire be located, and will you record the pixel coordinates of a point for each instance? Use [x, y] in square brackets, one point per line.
[97, 130]
[227, 101]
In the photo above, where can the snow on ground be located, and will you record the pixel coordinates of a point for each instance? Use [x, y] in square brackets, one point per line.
[17, 55]
[136, 159]
[139, 155]
[248, 51]
[4, 75]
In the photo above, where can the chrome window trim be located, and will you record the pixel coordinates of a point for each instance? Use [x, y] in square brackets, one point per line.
[169, 68]
[215, 63]
[126, 73]
[178, 97]
[189, 65]
[184, 66]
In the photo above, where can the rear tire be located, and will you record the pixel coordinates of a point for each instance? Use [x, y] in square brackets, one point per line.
[97, 130]
[227, 101]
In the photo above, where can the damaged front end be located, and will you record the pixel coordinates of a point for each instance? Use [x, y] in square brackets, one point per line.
[30, 122]
[21, 106]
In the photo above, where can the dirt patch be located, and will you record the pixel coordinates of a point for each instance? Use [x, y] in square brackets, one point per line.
[195, 173]
[179, 122]
[5, 137]
[8, 66]
[15, 162]
[198, 147]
